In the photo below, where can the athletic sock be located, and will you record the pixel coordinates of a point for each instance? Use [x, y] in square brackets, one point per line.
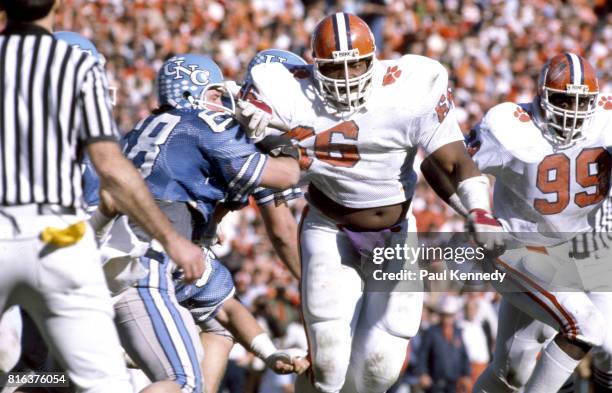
[552, 370]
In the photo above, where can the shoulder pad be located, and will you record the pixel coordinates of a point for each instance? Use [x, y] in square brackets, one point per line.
[512, 126]
[267, 70]
[602, 120]
[419, 80]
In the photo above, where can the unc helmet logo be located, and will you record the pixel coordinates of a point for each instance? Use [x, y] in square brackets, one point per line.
[176, 70]
[274, 59]
[183, 79]
[271, 56]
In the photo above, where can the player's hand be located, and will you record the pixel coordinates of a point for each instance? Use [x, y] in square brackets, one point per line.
[232, 87]
[279, 146]
[255, 116]
[425, 381]
[107, 205]
[188, 257]
[288, 361]
[486, 231]
[300, 364]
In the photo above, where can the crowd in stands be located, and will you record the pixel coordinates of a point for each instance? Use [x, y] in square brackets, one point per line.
[493, 50]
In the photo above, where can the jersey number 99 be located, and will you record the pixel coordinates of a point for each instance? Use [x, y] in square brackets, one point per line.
[592, 169]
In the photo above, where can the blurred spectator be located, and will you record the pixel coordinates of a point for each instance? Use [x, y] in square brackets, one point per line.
[443, 365]
[475, 339]
[494, 49]
[234, 380]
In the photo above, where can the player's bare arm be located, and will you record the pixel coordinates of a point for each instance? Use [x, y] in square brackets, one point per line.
[282, 170]
[454, 163]
[442, 185]
[282, 231]
[454, 167]
[243, 326]
[132, 197]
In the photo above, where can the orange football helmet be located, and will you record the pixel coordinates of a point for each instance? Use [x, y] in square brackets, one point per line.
[344, 39]
[567, 91]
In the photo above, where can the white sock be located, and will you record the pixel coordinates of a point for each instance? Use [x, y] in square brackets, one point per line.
[551, 371]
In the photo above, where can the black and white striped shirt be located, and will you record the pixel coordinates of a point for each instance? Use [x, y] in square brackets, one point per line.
[53, 101]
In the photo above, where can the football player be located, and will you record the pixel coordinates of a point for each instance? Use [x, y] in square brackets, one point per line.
[282, 231]
[192, 156]
[213, 294]
[76, 39]
[550, 183]
[359, 122]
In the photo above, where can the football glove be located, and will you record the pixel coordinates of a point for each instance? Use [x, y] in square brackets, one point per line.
[285, 361]
[279, 146]
[255, 116]
[486, 231]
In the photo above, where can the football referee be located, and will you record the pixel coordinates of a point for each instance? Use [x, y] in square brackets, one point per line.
[54, 105]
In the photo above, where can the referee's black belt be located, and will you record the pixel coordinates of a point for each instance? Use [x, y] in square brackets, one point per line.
[40, 209]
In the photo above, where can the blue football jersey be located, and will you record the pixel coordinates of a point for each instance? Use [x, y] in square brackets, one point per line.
[199, 157]
[203, 302]
[91, 183]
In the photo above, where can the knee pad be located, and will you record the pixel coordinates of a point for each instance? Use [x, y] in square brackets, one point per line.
[402, 317]
[330, 344]
[376, 361]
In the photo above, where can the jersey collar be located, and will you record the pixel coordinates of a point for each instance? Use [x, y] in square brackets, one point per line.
[24, 28]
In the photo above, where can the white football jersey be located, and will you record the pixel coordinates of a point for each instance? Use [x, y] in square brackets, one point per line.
[541, 188]
[364, 159]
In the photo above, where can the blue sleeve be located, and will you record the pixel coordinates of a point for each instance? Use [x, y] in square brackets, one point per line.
[263, 195]
[91, 183]
[234, 159]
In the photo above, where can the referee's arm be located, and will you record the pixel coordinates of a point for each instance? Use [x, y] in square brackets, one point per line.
[119, 177]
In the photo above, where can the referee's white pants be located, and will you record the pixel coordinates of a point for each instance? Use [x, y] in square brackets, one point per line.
[65, 293]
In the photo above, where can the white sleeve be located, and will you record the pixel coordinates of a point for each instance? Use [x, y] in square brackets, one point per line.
[488, 154]
[438, 125]
[273, 83]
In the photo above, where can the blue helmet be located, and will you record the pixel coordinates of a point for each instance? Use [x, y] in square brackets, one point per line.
[77, 40]
[183, 80]
[272, 56]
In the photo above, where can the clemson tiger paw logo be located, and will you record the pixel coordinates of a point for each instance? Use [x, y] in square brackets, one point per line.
[606, 102]
[520, 114]
[392, 74]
